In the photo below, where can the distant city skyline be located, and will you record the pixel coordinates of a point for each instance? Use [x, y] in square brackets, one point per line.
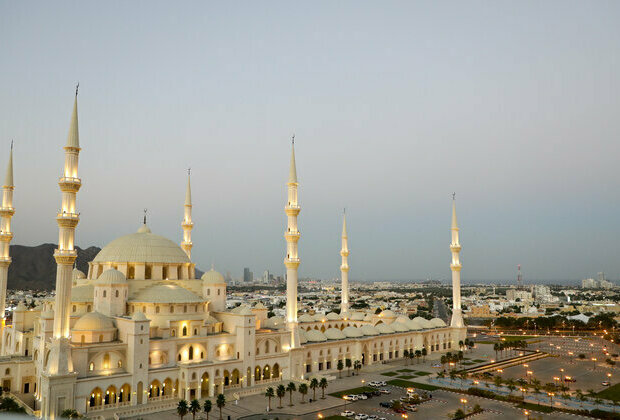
[512, 105]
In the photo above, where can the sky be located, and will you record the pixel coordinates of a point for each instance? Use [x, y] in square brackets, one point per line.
[394, 105]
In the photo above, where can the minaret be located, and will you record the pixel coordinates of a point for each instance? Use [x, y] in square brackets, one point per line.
[66, 254]
[292, 258]
[6, 212]
[344, 268]
[187, 224]
[455, 266]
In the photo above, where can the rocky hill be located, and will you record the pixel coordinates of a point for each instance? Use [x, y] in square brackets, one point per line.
[34, 267]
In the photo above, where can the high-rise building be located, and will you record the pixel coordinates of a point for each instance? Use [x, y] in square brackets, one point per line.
[247, 275]
[589, 283]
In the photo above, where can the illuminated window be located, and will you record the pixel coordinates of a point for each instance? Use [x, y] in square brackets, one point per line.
[91, 367]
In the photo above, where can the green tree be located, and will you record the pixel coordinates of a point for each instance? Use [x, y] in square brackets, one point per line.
[406, 356]
[357, 366]
[269, 394]
[207, 407]
[182, 409]
[340, 366]
[459, 414]
[496, 348]
[314, 384]
[348, 364]
[498, 381]
[291, 388]
[323, 384]
[70, 413]
[424, 353]
[280, 392]
[303, 390]
[194, 407]
[418, 354]
[221, 403]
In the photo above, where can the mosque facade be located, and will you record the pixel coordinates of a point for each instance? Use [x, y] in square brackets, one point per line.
[138, 331]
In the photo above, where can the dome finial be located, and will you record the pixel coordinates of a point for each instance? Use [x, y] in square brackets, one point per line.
[144, 221]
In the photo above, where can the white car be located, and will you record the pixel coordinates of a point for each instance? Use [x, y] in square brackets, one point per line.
[361, 417]
[374, 383]
[347, 413]
[605, 383]
[350, 397]
[361, 397]
[382, 383]
[385, 391]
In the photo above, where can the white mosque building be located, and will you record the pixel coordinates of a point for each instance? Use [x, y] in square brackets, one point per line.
[139, 330]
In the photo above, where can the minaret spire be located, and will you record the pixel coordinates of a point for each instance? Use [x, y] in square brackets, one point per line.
[455, 266]
[6, 235]
[291, 261]
[344, 267]
[65, 255]
[187, 223]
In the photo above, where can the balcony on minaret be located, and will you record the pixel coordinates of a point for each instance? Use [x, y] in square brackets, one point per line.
[187, 224]
[344, 252]
[5, 260]
[6, 236]
[68, 183]
[456, 266]
[291, 261]
[455, 247]
[292, 235]
[344, 267]
[7, 211]
[292, 209]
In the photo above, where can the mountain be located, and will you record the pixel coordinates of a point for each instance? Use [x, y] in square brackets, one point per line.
[34, 267]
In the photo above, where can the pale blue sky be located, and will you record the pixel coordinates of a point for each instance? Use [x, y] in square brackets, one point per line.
[513, 105]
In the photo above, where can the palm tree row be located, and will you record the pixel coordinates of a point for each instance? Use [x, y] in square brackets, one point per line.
[183, 408]
[451, 358]
[303, 388]
[415, 354]
[508, 345]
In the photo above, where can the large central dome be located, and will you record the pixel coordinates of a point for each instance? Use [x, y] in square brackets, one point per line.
[142, 247]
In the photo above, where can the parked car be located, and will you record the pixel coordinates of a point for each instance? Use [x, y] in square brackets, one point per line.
[605, 383]
[400, 410]
[382, 383]
[385, 404]
[361, 397]
[361, 416]
[347, 413]
[372, 417]
[410, 407]
[368, 394]
[385, 391]
[350, 397]
[376, 392]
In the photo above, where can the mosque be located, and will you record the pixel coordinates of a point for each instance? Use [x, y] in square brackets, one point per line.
[139, 330]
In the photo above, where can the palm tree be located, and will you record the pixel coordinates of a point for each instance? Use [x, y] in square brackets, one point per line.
[207, 407]
[511, 385]
[348, 364]
[496, 348]
[411, 355]
[357, 366]
[406, 356]
[452, 375]
[314, 384]
[290, 388]
[323, 385]
[194, 407]
[340, 366]
[443, 360]
[269, 394]
[303, 390]
[424, 353]
[463, 376]
[280, 392]
[182, 409]
[498, 381]
[221, 403]
[418, 354]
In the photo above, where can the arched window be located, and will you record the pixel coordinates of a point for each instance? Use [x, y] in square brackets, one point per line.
[88, 308]
[218, 292]
[101, 338]
[120, 363]
[144, 309]
[184, 331]
[266, 346]
[104, 293]
[208, 292]
[179, 357]
[7, 371]
[74, 308]
[184, 308]
[195, 331]
[157, 309]
[117, 293]
[173, 332]
[191, 353]
[171, 309]
[91, 366]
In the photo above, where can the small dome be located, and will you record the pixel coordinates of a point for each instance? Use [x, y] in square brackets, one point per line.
[414, 324]
[275, 322]
[139, 316]
[357, 316]
[306, 318]
[399, 326]
[423, 323]
[315, 336]
[384, 328]
[77, 274]
[21, 307]
[259, 305]
[353, 332]
[388, 314]
[402, 318]
[93, 321]
[213, 277]
[246, 311]
[369, 330]
[111, 276]
[238, 309]
[437, 322]
[332, 316]
[334, 334]
[302, 336]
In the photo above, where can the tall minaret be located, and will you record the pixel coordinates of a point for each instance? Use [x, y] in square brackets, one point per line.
[344, 268]
[455, 266]
[6, 212]
[187, 224]
[292, 258]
